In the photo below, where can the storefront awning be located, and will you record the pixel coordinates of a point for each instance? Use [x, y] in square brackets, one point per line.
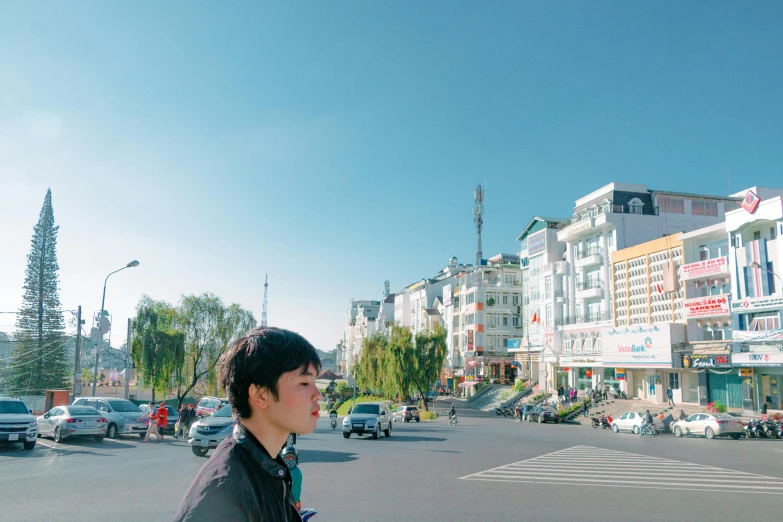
[467, 384]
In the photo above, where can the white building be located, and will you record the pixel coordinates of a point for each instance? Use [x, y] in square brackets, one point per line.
[755, 259]
[541, 260]
[611, 218]
[360, 324]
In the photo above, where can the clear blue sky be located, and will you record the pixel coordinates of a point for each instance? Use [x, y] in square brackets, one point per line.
[336, 145]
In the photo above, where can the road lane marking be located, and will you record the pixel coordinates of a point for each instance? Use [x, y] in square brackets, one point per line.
[588, 466]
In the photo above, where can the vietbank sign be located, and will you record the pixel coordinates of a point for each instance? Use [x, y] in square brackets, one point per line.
[641, 346]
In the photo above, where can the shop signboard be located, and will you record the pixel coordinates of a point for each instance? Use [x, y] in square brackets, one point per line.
[712, 306]
[757, 359]
[513, 343]
[619, 374]
[706, 361]
[536, 243]
[705, 268]
[757, 304]
[580, 361]
[470, 340]
[641, 346]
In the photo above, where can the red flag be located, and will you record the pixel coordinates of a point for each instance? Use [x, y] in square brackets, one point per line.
[660, 289]
[535, 318]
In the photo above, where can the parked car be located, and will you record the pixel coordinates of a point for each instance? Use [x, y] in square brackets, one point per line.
[370, 418]
[173, 417]
[122, 415]
[65, 422]
[406, 414]
[205, 434]
[632, 421]
[543, 414]
[709, 425]
[209, 405]
[17, 424]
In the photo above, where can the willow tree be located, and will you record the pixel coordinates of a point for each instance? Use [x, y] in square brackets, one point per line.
[39, 361]
[399, 362]
[157, 345]
[429, 354]
[371, 370]
[210, 327]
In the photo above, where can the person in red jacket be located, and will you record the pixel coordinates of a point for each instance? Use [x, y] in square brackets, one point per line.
[163, 418]
[152, 415]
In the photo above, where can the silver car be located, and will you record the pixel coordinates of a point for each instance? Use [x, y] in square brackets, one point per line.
[710, 425]
[123, 415]
[65, 422]
[205, 434]
[368, 417]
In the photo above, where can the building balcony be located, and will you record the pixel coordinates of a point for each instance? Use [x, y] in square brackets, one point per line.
[581, 319]
[590, 289]
[588, 257]
[560, 296]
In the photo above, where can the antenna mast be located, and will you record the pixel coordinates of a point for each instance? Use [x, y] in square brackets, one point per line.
[263, 310]
[478, 218]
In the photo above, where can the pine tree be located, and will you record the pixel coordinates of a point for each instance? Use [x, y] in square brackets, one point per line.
[39, 360]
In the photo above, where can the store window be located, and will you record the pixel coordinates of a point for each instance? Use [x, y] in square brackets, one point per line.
[671, 205]
[584, 378]
[704, 208]
[674, 381]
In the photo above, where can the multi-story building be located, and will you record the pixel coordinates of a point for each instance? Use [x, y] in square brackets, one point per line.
[360, 324]
[385, 318]
[615, 217]
[482, 314]
[639, 352]
[755, 258]
[541, 260]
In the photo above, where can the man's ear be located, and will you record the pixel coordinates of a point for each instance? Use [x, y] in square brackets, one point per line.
[260, 396]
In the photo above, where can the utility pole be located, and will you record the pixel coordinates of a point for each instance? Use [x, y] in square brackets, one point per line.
[77, 366]
[127, 357]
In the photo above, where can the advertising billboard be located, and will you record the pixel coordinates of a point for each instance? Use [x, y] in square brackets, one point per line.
[641, 346]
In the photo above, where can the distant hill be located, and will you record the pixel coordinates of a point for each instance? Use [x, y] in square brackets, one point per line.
[328, 359]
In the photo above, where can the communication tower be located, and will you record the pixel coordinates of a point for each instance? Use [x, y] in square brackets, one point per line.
[263, 310]
[478, 218]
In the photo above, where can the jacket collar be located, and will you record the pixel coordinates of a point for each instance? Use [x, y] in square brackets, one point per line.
[259, 454]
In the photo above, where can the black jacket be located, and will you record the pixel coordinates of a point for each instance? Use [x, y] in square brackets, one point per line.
[240, 482]
[183, 416]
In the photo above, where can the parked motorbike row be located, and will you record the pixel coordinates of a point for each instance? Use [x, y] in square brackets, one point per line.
[764, 430]
[603, 422]
[506, 412]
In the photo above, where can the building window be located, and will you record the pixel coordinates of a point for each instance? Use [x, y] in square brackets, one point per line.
[548, 287]
[704, 208]
[593, 211]
[508, 279]
[597, 344]
[567, 344]
[757, 235]
[515, 322]
[606, 206]
[505, 299]
[471, 298]
[773, 233]
[671, 205]
[549, 315]
[635, 206]
[588, 343]
[704, 253]
[515, 300]
[505, 321]
[471, 319]
[765, 321]
[674, 381]
[610, 238]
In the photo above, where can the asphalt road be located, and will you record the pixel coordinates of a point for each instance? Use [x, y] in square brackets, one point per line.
[486, 467]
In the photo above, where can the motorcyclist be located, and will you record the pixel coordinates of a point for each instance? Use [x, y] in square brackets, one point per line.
[682, 415]
[646, 420]
[452, 412]
[291, 459]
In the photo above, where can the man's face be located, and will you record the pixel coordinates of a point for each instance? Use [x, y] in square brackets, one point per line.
[297, 409]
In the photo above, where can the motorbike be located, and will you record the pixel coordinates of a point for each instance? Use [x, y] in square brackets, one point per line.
[333, 421]
[453, 420]
[749, 433]
[771, 429]
[601, 421]
[506, 412]
[758, 431]
[648, 429]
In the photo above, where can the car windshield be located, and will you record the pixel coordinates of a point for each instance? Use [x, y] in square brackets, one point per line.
[13, 407]
[372, 409]
[723, 416]
[412, 408]
[82, 410]
[123, 406]
[225, 411]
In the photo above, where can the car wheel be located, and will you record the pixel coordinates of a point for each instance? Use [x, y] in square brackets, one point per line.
[636, 430]
[418, 419]
[540, 419]
[387, 432]
[28, 445]
[615, 428]
[111, 432]
[199, 452]
[57, 436]
[141, 435]
[377, 434]
[677, 431]
[736, 436]
[347, 434]
[709, 433]
[99, 438]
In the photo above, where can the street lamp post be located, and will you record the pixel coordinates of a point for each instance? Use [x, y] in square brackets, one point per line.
[132, 264]
[755, 264]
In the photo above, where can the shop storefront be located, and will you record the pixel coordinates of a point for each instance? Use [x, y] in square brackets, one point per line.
[642, 352]
[579, 371]
[766, 377]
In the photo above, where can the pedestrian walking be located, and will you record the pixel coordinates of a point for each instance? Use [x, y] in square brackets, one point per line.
[182, 420]
[560, 392]
[269, 377]
[585, 408]
[152, 415]
[163, 418]
[670, 396]
[605, 391]
[764, 407]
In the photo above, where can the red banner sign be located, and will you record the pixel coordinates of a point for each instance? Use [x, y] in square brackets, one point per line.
[708, 267]
[706, 307]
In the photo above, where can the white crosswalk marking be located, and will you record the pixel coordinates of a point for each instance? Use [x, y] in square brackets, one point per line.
[589, 466]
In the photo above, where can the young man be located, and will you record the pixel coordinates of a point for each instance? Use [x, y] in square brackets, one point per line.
[269, 377]
[670, 396]
[182, 420]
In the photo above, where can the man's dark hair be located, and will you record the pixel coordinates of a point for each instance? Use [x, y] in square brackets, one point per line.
[260, 357]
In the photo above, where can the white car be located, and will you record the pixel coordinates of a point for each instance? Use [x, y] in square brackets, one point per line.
[632, 421]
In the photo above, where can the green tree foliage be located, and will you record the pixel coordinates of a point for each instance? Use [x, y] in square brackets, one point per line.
[157, 345]
[210, 327]
[399, 363]
[371, 369]
[39, 359]
[429, 354]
